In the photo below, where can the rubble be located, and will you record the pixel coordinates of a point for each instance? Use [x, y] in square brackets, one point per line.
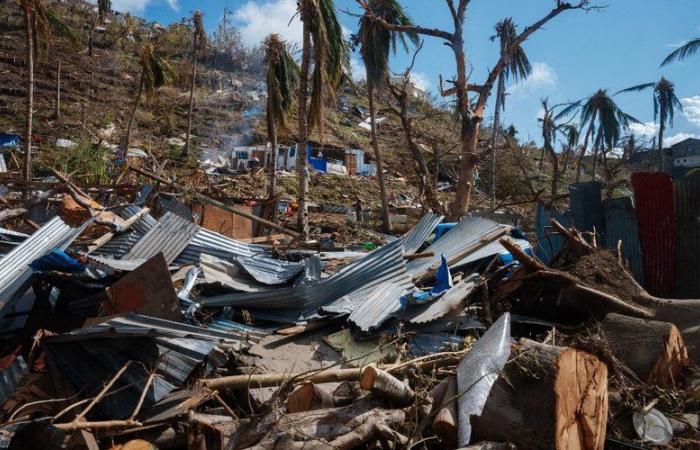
[128, 321]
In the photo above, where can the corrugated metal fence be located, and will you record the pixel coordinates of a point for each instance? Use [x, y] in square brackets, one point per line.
[687, 197]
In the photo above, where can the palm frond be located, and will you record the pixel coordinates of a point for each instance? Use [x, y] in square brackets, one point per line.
[282, 78]
[688, 49]
[568, 110]
[638, 88]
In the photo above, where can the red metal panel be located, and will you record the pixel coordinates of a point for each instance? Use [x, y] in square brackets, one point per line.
[653, 193]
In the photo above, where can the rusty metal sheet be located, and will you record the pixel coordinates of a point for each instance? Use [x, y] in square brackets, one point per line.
[653, 193]
[147, 290]
[687, 194]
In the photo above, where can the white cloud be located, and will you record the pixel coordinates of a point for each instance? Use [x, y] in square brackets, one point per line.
[646, 129]
[257, 20]
[543, 77]
[174, 5]
[676, 138]
[357, 69]
[421, 80]
[691, 109]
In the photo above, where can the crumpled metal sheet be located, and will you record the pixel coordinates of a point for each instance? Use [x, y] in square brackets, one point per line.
[11, 377]
[478, 371]
[418, 234]
[448, 302]
[122, 243]
[469, 232]
[270, 271]
[170, 236]
[207, 242]
[227, 274]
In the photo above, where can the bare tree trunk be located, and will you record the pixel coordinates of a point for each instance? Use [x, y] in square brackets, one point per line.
[272, 138]
[186, 149]
[436, 164]
[386, 219]
[584, 147]
[302, 162]
[595, 160]
[662, 156]
[29, 34]
[57, 113]
[566, 159]
[127, 139]
[494, 135]
[92, 34]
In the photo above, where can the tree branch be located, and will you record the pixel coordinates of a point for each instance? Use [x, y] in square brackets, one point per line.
[405, 28]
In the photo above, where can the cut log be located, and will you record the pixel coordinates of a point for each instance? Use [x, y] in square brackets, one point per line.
[308, 397]
[547, 397]
[655, 351]
[385, 385]
[445, 422]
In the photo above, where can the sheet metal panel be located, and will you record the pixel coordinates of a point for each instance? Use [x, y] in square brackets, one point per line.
[170, 236]
[586, 207]
[548, 241]
[122, 243]
[11, 377]
[621, 225]
[214, 244]
[417, 236]
[653, 193]
[270, 271]
[687, 193]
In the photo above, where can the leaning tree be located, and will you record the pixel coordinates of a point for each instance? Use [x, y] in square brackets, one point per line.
[199, 45]
[471, 111]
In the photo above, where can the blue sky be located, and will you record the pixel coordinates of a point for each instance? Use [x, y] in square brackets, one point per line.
[574, 55]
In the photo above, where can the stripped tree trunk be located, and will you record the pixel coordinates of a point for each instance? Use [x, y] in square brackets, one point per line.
[57, 113]
[303, 142]
[386, 219]
[494, 135]
[662, 156]
[272, 138]
[127, 139]
[29, 35]
[186, 150]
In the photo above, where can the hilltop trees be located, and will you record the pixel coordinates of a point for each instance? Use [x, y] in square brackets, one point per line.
[322, 35]
[665, 102]
[199, 44]
[471, 111]
[375, 43]
[282, 77]
[517, 67]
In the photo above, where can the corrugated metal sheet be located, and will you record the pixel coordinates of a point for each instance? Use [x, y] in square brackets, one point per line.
[653, 193]
[491, 250]
[450, 301]
[227, 274]
[417, 236]
[469, 232]
[170, 236]
[270, 271]
[586, 206]
[14, 267]
[173, 205]
[3, 166]
[621, 225]
[687, 193]
[122, 243]
[11, 377]
[361, 276]
[210, 243]
[548, 242]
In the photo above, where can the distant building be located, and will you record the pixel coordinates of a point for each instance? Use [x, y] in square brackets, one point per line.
[686, 154]
[412, 89]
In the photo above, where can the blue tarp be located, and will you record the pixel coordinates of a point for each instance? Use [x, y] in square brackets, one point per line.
[9, 140]
[319, 164]
[57, 260]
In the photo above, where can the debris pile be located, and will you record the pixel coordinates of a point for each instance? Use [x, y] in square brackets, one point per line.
[126, 323]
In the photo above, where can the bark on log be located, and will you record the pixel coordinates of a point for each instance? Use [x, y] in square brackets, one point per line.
[655, 351]
[547, 397]
[445, 422]
[308, 397]
[385, 385]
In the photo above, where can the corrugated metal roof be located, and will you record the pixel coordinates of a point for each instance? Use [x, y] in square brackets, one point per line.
[11, 377]
[377, 305]
[653, 197]
[417, 236]
[621, 225]
[490, 250]
[122, 243]
[170, 236]
[382, 265]
[210, 243]
[270, 271]
[687, 193]
[227, 274]
[14, 267]
[549, 242]
[469, 232]
[448, 302]
[174, 206]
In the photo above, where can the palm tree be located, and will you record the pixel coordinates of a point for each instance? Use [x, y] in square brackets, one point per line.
[688, 49]
[282, 78]
[601, 112]
[322, 35]
[155, 72]
[375, 43]
[39, 25]
[572, 136]
[199, 43]
[665, 102]
[518, 67]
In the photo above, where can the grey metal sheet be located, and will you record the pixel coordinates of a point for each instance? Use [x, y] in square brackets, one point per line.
[468, 232]
[210, 243]
[548, 242]
[687, 193]
[621, 225]
[122, 243]
[417, 236]
[14, 267]
[375, 306]
[227, 274]
[11, 377]
[270, 271]
[586, 206]
[491, 250]
[173, 205]
[3, 166]
[450, 301]
[170, 236]
[378, 267]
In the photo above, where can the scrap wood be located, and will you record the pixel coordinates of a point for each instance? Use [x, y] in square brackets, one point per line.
[218, 204]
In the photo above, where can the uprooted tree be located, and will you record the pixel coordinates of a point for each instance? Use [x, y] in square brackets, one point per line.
[584, 280]
[471, 113]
